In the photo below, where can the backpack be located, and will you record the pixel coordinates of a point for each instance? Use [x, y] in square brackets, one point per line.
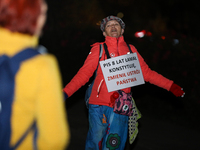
[89, 89]
[8, 69]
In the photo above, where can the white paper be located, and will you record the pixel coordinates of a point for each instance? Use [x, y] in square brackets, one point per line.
[122, 72]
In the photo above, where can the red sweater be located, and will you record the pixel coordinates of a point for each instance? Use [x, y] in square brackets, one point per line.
[100, 94]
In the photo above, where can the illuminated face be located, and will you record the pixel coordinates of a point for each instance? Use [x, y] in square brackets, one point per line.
[41, 19]
[113, 29]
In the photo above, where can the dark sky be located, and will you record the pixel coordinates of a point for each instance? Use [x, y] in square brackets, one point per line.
[155, 15]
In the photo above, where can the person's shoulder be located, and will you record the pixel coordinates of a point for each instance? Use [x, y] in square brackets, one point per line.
[96, 44]
[47, 64]
[47, 58]
[43, 60]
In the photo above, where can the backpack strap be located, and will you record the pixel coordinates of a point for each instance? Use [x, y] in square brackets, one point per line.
[16, 60]
[32, 127]
[129, 48]
[21, 56]
[106, 50]
[100, 55]
[11, 66]
[101, 51]
[35, 137]
[25, 54]
[89, 89]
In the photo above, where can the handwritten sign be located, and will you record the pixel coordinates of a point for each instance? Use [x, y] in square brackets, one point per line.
[122, 72]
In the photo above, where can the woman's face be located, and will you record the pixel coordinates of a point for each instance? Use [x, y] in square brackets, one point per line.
[41, 19]
[113, 29]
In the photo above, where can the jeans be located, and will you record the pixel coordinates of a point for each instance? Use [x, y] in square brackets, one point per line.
[107, 130]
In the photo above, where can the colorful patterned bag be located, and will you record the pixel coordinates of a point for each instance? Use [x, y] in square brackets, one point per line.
[124, 104]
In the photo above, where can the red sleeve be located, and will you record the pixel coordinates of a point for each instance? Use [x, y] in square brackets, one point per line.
[152, 76]
[85, 72]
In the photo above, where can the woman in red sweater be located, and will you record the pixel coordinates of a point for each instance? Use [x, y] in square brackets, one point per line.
[106, 128]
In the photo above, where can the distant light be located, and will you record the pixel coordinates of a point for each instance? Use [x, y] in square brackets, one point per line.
[140, 34]
[149, 33]
[120, 15]
[163, 37]
[175, 41]
[98, 23]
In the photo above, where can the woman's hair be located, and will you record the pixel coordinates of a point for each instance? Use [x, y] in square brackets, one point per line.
[20, 15]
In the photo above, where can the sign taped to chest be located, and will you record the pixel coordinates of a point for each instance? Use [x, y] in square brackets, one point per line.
[122, 72]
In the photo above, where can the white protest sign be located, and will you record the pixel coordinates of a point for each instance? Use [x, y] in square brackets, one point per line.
[122, 72]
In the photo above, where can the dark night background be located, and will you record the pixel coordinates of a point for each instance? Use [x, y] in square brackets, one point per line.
[172, 50]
